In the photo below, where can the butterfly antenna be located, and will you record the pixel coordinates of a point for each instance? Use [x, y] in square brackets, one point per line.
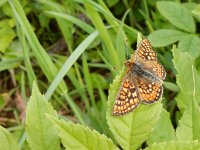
[127, 49]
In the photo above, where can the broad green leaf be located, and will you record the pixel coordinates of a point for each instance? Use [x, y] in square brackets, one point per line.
[183, 64]
[175, 145]
[76, 136]
[41, 134]
[190, 5]
[188, 97]
[190, 44]
[131, 130]
[178, 15]
[189, 125]
[7, 141]
[164, 37]
[163, 131]
[6, 36]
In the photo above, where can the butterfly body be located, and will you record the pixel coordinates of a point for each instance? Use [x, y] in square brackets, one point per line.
[142, 81]
[138, 69]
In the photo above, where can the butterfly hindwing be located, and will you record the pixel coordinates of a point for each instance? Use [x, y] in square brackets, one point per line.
[149, 91]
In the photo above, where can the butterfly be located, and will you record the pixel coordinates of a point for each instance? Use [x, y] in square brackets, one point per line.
[142, 81]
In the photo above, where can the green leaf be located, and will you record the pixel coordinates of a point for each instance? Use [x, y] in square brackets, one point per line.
[103, 33]
[41, 134]
[183, 76]
[164, 37]
[6, 36]
[7, 141]
[69, 62]
[43, 59]
[9, 63]
[2, 2]
[163, 131]
[188, 128]
[72, 19]
[120, 45]
[175, 145]
[112, 3]
[171, 86]
[178, 15]
[190, 44]
[188, 98]
[88, 81]
[185, 73]
[131, 130]
[76, 136]
[196, 12]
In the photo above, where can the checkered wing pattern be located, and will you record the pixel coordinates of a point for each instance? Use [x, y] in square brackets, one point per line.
[127, 99]
[145, 52]
[148, 59]
[149, 91]
[142, 83]
[155, 68]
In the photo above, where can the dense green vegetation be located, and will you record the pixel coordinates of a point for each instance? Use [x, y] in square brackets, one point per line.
[61, 65]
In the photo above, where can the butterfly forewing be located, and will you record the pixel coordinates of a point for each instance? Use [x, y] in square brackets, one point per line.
[148, 59]
[127, 98]
[145, 52]
[155, 68]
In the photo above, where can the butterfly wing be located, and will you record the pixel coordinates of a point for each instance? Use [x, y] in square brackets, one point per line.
[149, 91]
[135, 87]
[145, 52]
[154, 68]
[127, 98]
[148, 59]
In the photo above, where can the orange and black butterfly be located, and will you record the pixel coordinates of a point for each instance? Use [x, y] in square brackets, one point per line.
[142, 81]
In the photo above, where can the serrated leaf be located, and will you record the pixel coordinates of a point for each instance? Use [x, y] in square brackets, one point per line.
[188, 97]
[188, 128]
[163, 131]
[175, 145]
[177, 14]
[164, 37]
[131, 130]
[189, 125]
[76, 136]
[190, 44]
[184, 78]
[41, 134]
[7, 141]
